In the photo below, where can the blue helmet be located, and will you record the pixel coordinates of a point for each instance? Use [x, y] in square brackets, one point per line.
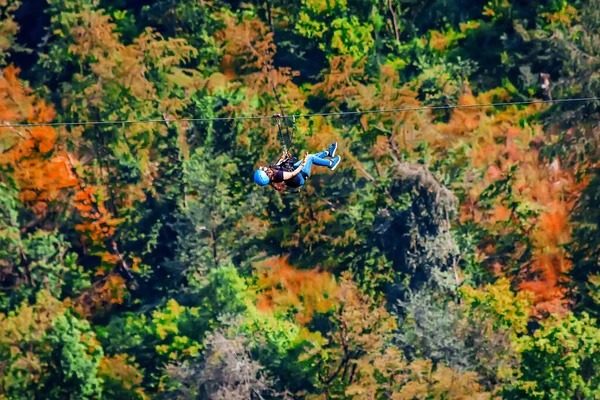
[261, 178]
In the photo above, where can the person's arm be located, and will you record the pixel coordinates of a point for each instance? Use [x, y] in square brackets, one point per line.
[284, 157]
[290, 175]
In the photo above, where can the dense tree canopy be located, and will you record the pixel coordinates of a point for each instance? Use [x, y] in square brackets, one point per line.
[453, 254]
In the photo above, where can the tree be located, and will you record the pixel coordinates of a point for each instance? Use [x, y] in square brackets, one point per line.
[34, 261]
[560, 360]
[284, 289]
[121, 378]
[585, 287]
[357, 359]
[8, 29]
[229, 372]
[36, 187]
[145, 228]
[174, 330]
[468, 330]
[213, 228]
[48, 349]
[359, 333]
[430, 328]
[492, 321]
[338, 34]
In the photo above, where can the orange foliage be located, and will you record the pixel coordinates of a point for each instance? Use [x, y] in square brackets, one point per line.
[499, 143]
[40, 176]
[325, 135]
[340, 82]
[110, 68]
[345, 84]
[97, 226]
[44, 174]
[248, 48]
[403, 129]
[105, 293]
[247, 42]
[283, 287]
[500, 214]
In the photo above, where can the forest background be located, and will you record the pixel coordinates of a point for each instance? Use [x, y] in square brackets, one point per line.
[453, 254]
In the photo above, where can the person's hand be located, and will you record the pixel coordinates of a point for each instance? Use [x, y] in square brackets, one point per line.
[305, 158]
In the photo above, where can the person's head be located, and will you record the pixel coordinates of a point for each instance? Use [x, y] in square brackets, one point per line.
[260, 177]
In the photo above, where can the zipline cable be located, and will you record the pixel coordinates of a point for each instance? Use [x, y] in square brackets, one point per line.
[311, 115]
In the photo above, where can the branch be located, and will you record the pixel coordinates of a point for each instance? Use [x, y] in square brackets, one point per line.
[343, 363]
[270, 18]
[364, 172]
[395, 22]
[330, 204]
[110, 242]
[7, 124]
[167, 122]
[347, 354]
[372, 179]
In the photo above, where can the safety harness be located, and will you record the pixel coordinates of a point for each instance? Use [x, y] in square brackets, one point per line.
[288, 164]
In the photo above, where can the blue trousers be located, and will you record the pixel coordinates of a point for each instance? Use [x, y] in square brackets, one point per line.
[317, 159]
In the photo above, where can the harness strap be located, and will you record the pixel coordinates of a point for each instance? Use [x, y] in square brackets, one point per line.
[277, 118]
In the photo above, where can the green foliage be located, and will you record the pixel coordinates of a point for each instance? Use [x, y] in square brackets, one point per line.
[8, 28]
[478, 331]
[380, 293]
[431, 327]
[175, 331]
[76, 355]
[336, 35]
[211, 225]
[36, 260]
[560, 360]
[276, 343]
[442, 82]
[48, 349]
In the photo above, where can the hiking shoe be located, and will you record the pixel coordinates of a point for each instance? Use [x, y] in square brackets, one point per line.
[332, 149]
[335, 162]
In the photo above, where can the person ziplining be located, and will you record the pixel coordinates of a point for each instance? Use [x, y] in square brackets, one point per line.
[289, 172]
[281, 178]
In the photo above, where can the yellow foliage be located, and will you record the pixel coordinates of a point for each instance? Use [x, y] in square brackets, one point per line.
[424, 382]
[357, 363]
[21, 334]
[29, 322]
[511, 309]
[248, 48]
[122, 369]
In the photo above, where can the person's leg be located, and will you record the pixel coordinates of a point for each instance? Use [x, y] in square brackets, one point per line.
[332, 149]
[329, 152]
[318, 159]
[314, 159]
[321, 155]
